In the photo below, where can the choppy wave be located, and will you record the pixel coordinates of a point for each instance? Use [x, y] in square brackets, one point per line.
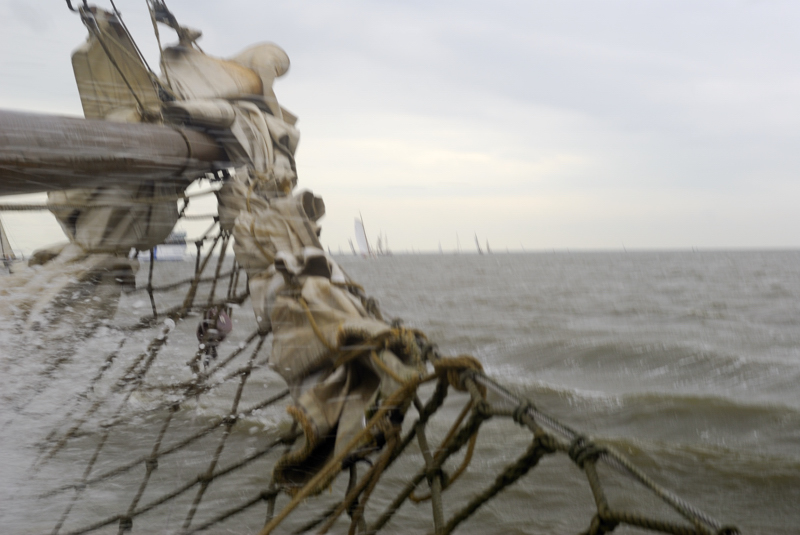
[688, 363]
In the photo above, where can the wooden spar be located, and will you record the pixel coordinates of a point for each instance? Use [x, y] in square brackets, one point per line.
[48, 152]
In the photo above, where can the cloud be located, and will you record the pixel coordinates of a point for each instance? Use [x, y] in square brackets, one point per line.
[578, 117]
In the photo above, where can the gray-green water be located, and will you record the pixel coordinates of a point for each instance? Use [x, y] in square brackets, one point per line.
[688, 362]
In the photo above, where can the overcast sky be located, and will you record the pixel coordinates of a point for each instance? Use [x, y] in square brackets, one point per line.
[548, 125]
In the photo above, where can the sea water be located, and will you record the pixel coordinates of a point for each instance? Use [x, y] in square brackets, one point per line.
[687, 362]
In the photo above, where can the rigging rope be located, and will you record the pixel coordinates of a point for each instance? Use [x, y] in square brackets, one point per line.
[380, 441]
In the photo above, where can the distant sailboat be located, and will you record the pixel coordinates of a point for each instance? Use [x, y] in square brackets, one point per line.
[361, 238]
[6, 252]
[478, 244]
[382, 246]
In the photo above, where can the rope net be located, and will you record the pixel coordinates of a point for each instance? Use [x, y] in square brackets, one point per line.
[204, 462]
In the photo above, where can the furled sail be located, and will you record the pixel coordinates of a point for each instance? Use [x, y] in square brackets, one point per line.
[109, 71]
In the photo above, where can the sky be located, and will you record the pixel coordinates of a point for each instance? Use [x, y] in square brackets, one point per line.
[541, 125]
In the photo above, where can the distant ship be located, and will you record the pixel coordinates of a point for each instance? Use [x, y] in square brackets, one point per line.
[6, 252]
[361, 239]
[364, 248]
[172, 250]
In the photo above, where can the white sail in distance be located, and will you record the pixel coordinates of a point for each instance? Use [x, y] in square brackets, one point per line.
[361, 238]
[6, 253]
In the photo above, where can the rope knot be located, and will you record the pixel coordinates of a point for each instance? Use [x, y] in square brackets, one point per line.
[521, 412]
[546, 442]
[125, 523]
[483, 409]
[454, 367]
[428, 352]
[151, 463]
[358, 456]
[440, 473]
[601, 525]
[229, 420]
[581, 450]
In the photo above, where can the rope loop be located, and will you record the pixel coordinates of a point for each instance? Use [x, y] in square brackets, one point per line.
[453, 367]
[583, 450]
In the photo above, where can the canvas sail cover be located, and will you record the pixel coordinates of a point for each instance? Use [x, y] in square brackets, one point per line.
[298, 292]
[108, 71]
[104, 223]
[194, 75]
[301, 295]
